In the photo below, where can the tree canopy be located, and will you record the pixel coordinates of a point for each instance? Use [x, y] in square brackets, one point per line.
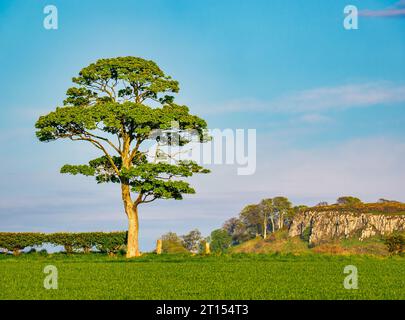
[348, 201]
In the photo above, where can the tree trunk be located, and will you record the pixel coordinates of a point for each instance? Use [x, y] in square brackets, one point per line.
[280, 218]
[265, 227]
[68, 248]
[131, 209]
[281, 222]
[133, 229]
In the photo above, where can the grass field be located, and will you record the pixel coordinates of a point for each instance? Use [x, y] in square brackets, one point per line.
[95, 276]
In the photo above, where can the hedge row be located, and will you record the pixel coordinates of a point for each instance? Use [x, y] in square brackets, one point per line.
[108, 242]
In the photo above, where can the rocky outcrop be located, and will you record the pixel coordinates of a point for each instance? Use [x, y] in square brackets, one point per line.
[329, 225]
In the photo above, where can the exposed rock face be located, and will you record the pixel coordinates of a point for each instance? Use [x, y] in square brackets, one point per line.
[329, 225]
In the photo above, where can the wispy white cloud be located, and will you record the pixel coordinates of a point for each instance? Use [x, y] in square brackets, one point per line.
[397, 10]
[321, 99]
[341, 97]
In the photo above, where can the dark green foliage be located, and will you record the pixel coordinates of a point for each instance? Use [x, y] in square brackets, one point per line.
[395, 243]
[140, 77]
[149, 179]
[348, 201]
[169, 246]
[106, 242]
[306, 234]
[252, 217]
[238, 230]
[16, 241]
[172, 243]
[109, 242]
[201, 245]
[112, 242]
[67, 240]
[87, 240]
[220, 240]
[43, 252]
[77, 122]
[80, 241]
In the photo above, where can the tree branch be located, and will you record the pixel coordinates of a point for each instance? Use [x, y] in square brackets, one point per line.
[147, 201]
[101, 147]
[104, 139]
[136, 149]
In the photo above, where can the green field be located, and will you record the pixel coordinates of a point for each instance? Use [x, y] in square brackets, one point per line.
[95, 276]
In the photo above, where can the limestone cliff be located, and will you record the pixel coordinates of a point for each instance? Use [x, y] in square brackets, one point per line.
[325, 226]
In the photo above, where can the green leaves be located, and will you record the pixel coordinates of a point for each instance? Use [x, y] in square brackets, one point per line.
[66, 122]
[121, 79]
[15, 241]
[79, 97]
[148, 170]
[102, 241]
[154, 179]
[136, 120]
[159, 189]
[220, 240]
[101, 168]
[78, 169]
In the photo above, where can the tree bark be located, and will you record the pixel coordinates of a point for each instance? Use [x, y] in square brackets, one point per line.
[265, 227]
[131, 209]
[133, 229]
[281, 221]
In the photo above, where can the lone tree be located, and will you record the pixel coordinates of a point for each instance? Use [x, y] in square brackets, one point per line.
[348, 201]
[119, 106]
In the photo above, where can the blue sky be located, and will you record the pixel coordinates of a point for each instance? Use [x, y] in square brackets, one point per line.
[327, 103]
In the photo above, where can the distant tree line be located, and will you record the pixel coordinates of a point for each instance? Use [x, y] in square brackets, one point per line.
[262, 219]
